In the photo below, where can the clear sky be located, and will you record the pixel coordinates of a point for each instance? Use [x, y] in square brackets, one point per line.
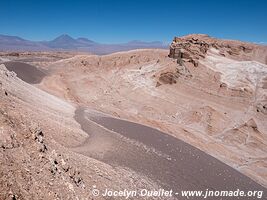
[113, 21]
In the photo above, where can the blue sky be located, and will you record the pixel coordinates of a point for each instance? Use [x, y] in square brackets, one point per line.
[124, 20]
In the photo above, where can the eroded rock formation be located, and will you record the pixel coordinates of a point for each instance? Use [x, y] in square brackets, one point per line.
[191, 48]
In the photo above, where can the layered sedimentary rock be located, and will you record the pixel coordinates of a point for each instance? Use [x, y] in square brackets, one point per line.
[191, 48]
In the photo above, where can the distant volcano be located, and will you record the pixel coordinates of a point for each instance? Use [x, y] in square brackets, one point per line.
[66, 42]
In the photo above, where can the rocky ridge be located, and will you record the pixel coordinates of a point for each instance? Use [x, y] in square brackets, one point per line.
[191, 48]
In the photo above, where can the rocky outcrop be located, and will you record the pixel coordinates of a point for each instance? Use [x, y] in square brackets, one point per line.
[261, 108]
[193, 47]
[186, 49]
[168, 78]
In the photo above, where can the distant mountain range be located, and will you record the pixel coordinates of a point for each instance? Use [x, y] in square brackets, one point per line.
[67, 43]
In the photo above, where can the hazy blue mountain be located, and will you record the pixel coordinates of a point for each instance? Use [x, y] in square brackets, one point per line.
[66, 42]
[63, 42]
[14, 43]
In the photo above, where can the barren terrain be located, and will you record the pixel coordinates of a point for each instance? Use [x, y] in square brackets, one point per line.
[209, 93]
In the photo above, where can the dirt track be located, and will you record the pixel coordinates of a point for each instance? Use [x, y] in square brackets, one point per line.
[26, 72]
[170, 162]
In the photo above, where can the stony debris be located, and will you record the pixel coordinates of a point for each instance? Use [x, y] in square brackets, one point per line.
[84, 63]
[262, 108]
[251, 123]
[8, 136]
[38, 136]
[76, 178]
[171, 76]
[168, 78]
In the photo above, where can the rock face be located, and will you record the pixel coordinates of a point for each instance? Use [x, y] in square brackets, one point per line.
[188, 49]
[168, 78]
[191, 48]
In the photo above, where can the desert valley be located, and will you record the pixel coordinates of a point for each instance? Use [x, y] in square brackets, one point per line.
[190, 117]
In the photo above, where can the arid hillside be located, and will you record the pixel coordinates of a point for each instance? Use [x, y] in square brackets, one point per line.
[38, 133]
[209, 93]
